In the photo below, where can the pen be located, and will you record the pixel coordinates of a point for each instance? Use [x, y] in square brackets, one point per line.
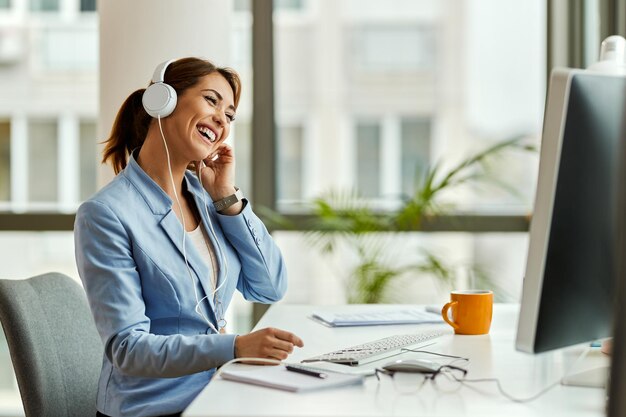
[306, 371]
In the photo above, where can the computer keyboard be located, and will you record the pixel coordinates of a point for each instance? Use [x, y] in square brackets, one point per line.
[377, 349]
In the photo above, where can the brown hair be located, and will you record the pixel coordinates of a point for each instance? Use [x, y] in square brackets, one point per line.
[131, 123]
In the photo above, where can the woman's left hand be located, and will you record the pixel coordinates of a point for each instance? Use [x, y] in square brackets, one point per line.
[218, 175]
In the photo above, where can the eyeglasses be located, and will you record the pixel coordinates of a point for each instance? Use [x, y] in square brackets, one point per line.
[427, 375]
[407, 382]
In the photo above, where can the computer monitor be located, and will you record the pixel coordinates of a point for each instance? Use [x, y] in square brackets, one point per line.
[616, 406]
[569, 286]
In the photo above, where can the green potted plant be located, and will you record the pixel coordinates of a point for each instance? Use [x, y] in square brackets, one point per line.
[344, 216]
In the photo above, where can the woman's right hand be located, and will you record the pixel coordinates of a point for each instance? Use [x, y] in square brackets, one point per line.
[266, 343]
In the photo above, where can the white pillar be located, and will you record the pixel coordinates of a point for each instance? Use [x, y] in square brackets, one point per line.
[69, 162]
[137, 35]
[19, 163]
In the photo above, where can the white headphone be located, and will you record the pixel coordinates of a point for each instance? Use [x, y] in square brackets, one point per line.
[160, 98]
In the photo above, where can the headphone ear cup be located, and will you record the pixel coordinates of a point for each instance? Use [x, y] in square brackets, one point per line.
[159, 99]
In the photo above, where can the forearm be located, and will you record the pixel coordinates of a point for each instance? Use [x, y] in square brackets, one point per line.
[143, 354]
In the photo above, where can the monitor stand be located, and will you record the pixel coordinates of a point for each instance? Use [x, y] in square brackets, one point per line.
[591, 369]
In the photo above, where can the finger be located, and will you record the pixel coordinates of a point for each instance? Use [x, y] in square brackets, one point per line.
[288, 336]
[298, 342]
[282, 345]
[280, 355]
[222, 150]
[208, 161]
[225, 151]
[225, 148]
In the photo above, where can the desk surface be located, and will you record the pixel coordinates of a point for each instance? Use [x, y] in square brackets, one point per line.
[492, 355]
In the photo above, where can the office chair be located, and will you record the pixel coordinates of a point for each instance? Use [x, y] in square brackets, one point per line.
[54, 345]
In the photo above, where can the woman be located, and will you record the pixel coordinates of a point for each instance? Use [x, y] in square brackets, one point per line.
[159, 262]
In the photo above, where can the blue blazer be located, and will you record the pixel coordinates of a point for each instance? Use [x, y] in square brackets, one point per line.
[158, 352]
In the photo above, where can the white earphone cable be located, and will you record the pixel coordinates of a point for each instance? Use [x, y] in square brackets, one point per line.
[267, 361]
[193, 283]
[206, 211]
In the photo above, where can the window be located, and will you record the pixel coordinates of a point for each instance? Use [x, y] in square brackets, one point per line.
[288, 4]
[430, 83]
[368, 159]
[5, 160]
[87, 5]
[241, 45]
[392, 49]
[415, 151]
[43, 161]
[88, 159]
[44, 5]
[391, 88]
[290, 154]
[241, 133]
[241, 5]
[243, 152]
[483, 260]
[68, 48]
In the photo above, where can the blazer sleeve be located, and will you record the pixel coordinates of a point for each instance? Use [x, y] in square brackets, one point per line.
[263, 276]
[108, 271]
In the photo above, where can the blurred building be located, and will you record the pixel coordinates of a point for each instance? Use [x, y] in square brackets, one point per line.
[48, 108]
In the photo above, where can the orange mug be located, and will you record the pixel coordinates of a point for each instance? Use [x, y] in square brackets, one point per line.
[471, 311]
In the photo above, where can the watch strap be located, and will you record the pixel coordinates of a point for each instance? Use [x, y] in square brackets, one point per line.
[228, 201]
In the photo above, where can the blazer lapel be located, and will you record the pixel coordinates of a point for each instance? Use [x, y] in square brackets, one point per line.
[161, 205]
[201, 269]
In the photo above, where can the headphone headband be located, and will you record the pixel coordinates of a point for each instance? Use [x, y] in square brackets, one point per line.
[159, 72]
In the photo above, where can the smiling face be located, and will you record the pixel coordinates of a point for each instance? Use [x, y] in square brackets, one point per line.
[202, 118]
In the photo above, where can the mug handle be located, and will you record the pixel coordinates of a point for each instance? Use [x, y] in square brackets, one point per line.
[444, 314]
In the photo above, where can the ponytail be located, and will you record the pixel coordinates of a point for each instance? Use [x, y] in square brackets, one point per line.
[129, 131]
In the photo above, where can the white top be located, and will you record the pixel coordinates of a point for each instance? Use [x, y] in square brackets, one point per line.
[202, 243]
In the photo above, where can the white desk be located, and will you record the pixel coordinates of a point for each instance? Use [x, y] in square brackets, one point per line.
[491, 355]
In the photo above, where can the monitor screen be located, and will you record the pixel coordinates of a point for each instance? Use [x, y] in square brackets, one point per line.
[568, 290]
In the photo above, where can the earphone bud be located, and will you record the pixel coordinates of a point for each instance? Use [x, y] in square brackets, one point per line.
[159, 99]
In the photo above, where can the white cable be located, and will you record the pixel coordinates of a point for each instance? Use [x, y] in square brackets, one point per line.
[206, 211]
[221, 251]
[510, 397]
[182, 216]
[505, 394]
[260, 360]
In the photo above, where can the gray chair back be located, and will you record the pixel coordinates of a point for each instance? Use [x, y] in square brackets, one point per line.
[54, 345]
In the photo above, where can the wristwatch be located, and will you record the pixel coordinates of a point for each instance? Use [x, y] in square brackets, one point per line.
[228, 201]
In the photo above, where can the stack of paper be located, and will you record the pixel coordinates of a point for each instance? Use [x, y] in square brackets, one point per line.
[405, 316]
[280, 378]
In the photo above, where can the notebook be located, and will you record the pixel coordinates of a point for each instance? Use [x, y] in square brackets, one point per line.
[403, 316]
[280, 378]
